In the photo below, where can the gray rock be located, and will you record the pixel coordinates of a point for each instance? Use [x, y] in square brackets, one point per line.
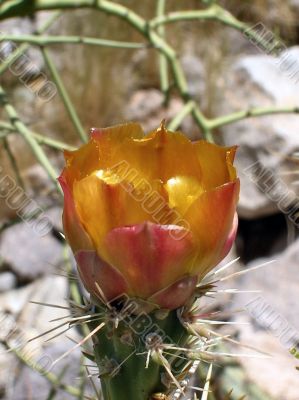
[195, 74]
[146, 107]
[19, 382]
[55, 216]
[6, 375]
[30, 250]
[265, 143]
[277, 375]
[7, 281]
[281, 274]
[13, 301]
[35, 317]
[144, 103]
[295, 4]
[38, 180]
[270, 323]
[38, 386]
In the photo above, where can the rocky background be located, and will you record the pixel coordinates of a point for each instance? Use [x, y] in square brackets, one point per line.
[226, 73]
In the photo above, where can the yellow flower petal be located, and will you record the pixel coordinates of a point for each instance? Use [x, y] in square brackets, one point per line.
[100, 151]
[121, 132]
[182, 192]
[159, 155]
[105, 201]
[82, 162]
[216, 164]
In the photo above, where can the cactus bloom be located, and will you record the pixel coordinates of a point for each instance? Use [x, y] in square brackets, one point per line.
[148, 215]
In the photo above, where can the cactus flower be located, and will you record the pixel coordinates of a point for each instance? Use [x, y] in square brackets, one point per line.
[148, 215]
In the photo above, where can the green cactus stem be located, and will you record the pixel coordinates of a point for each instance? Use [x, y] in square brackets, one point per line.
[133, 355]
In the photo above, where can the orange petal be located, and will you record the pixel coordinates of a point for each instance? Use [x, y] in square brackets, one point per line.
[73, 229]
[182, 192]
[158, 155]
[119, 133]
[211, 218]
[150, 256]
[230, 239]
[100, 151]
[82, 162]
[216, 163]
[104, 202]
[172, 154]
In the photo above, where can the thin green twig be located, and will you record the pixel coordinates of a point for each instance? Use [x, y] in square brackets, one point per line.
[253, 112]
[73, 284]
[24, 47]
[213, 12]
[53, 391]
[82, 378]
[23, 8]
[217, 13]
[64, 95]
[203, 123]
[52, 378]
[177, 16]
[75, 294]
[7, 129]
[177, 120]
[163, 63]
[13, 163]
[54, 40]
[26, 134]
[55, 144]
